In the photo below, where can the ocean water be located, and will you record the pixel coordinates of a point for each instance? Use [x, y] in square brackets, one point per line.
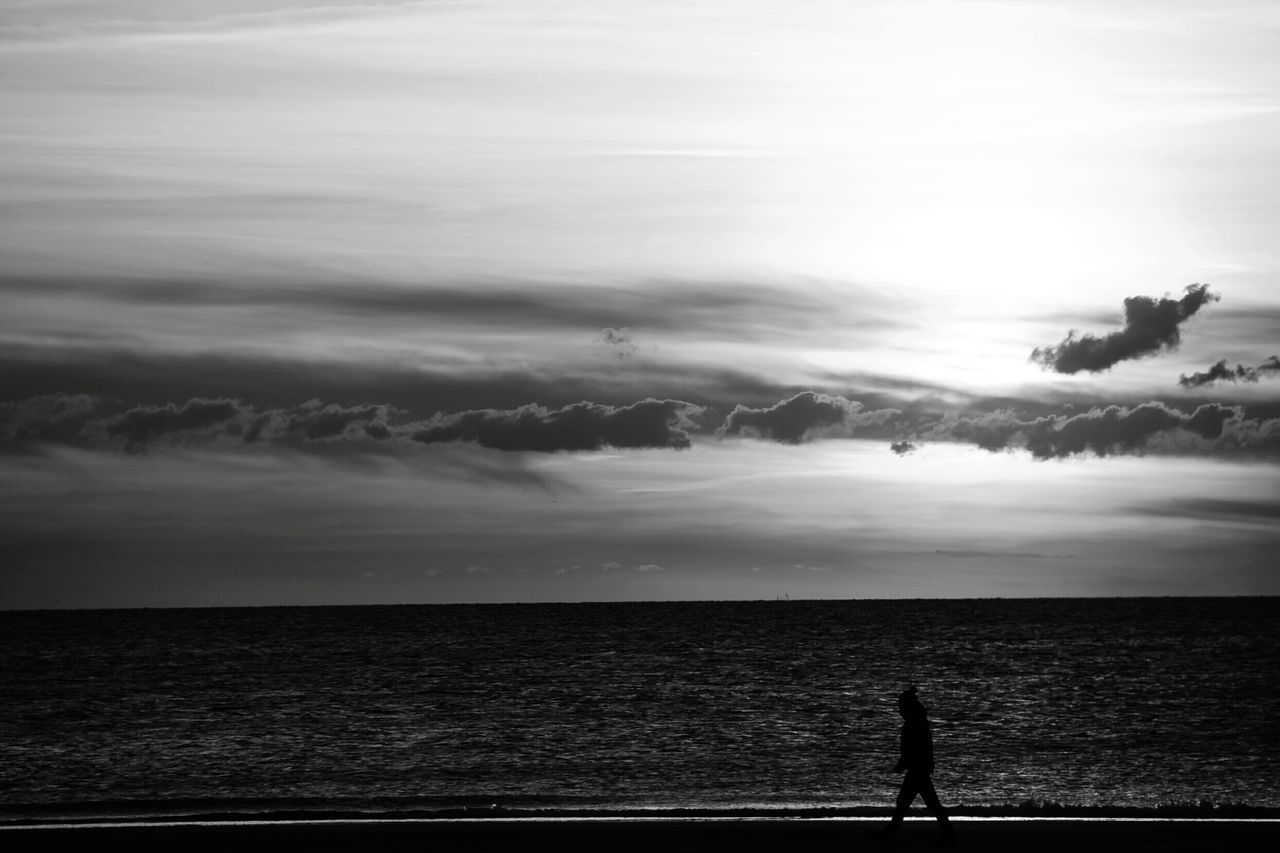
[1131, 702]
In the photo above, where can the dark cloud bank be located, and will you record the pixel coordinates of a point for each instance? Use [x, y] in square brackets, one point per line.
[84, 421]
[1149, 326]
[1101, 431]
[582, 426]
[1114, 430]
[805, 416]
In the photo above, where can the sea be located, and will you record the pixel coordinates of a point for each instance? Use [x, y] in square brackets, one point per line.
[724, 705]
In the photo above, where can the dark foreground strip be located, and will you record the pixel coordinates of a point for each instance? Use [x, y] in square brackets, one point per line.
[786, 835]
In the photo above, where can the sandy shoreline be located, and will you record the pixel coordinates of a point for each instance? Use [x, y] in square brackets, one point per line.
[666, 834]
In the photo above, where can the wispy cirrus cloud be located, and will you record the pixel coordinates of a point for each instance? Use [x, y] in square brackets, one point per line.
[689, 307]
[419, 386]
[1216, 509]
[130, 21]
[1150, 325]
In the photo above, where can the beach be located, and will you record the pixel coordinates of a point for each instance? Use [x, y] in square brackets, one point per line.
[696, 835]
[636, 726]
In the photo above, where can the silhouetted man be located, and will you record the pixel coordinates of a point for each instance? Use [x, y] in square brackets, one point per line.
[917, 761]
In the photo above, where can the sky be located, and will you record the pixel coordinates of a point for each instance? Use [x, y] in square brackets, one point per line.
[410, 302]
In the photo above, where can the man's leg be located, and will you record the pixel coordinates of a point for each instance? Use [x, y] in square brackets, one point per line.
[905, 796]
[910, 787]
[930, 797]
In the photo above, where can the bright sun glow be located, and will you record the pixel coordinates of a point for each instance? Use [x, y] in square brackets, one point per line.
[968, 148]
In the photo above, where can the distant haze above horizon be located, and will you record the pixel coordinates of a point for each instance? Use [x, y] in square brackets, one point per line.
[374, 302]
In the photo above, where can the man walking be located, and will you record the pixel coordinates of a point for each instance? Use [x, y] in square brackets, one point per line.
[917, 761]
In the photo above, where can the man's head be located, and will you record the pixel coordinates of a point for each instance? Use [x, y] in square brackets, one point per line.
[909, 704]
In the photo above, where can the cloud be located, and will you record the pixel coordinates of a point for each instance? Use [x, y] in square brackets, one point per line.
[581, 426]
[619, 340]
[1119, 429]
[1111, 430]
[803, 417]
[1149, 326]
[139, 426]
[996, 430]
[47, 418]
[1217, 509]
[78, 419]
[314, 421]
[1240, 373]
[124, 23]
[1254, 434]
[372, 429]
